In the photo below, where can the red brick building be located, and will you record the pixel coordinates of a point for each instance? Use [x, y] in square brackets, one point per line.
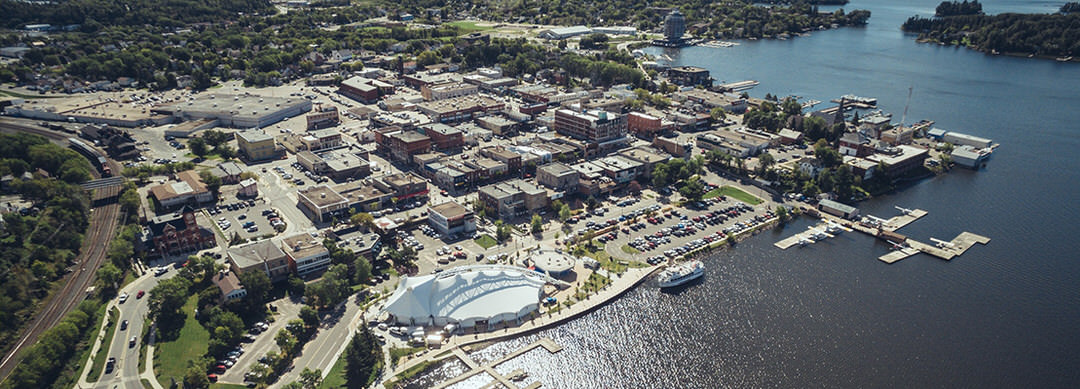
[178, 233]
[444, 137]
[642, 124]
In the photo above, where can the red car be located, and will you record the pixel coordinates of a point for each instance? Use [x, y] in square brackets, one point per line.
[212, 377]
[140, 294]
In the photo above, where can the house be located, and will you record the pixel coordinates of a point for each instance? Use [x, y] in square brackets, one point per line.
[229, 285]
[177, 233]
[259, 256]
[306, 254]
[228, 172]
[188, 188]
[855, 144]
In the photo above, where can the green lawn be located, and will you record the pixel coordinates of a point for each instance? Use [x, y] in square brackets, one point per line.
[468, 26]
[486, 241]
[102, 355]
[170, 359]
[335, 378]
[735, 193]
[396, 353]
[629, 250]
[218, 385]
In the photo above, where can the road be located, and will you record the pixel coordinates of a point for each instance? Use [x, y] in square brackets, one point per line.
[135, 311]
[103, 222]
[322, 351]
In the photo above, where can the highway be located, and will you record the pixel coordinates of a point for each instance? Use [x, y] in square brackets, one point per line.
[103, 223]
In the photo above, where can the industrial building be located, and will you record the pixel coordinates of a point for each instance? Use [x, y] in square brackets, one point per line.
[838, 209]
[240, 111]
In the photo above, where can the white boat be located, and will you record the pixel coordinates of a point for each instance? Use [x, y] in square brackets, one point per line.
[681, 274]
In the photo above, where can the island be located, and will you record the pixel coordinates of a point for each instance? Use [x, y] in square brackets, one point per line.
[1050, 36]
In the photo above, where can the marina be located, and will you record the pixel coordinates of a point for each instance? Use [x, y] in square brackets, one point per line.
[489, 368]
[885, 229]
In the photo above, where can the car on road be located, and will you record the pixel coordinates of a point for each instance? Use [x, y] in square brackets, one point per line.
[110, 365]
[161, 270]
[123, 325]
[131, 342]
[140, 294]
[123, 298]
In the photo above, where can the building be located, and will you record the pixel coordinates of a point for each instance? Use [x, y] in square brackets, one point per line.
[957, 138]
[248, 188]
[855, 144]
[898, 135]
[558, 176]
[339, 165]
[501, 154]
[443, 137]
[229, 285]
[648, 157]
[322, 203]
[451, 218]
[594, 127]
[967, 156]
[620, 169]
[403, 145]
[477, 296]
[674, 29]
[689, 76]
[176, 233]
[360, 89]
[306, 254]
[187, 189]
[325, 139]
[643, 125]
[324, 116]
[498, 125]
[228, 172]
[256, 145]
[513, 198]
[564, 32]
[553, 262]
[708, 100]
[447, 90]
[239, 111]
[259, 256]
[901, 159]
[402, 186]
[789, 136]
[838, 209]
[459, 108]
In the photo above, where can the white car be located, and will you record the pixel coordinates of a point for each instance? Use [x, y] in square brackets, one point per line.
[123, 297]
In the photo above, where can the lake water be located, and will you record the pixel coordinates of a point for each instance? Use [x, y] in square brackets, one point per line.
[832, 315]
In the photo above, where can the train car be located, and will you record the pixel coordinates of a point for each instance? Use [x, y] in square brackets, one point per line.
[93, 155]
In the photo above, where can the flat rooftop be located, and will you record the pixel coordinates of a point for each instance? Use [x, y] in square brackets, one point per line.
[321, 196]
[302, 246]
[450, 210]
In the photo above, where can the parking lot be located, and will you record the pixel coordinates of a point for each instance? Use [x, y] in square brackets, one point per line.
[263, 341]
[249, 218]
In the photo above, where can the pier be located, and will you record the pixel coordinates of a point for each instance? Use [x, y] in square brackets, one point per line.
[886, 230]
[489, 368]
[739, 86]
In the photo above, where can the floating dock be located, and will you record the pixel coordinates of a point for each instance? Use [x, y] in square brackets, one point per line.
[489, 368]
[813, 234]
[740, 85]
[886, 230]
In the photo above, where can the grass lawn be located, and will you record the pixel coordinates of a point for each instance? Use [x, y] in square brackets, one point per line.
[468, 26]
[735, 193]
[218, 385]
[335, 378]
[486, 241]
[629, 250]
[170, 359]
[101, 355]
[146, 384]
[396, 353]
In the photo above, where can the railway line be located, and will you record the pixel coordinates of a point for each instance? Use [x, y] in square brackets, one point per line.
[103, 223]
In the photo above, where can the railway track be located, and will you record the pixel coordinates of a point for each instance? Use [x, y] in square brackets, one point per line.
[103, 223]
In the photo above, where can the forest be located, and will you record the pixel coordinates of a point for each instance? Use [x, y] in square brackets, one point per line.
[955, 8]
[1044, 35]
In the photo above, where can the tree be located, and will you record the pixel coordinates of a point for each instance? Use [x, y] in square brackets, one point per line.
[296, 286]
[693, 189]
[257, 285]
[361, 269]
[310, 316]
[285, 341]
[195, 376]
[765, 160]
[212, 182]
[109, 275]
[363, 219]
[718, 114]
[310, 378]
[537, 224]
[168, 297]
[564, 213]
[634, 187]
[362, 356]
[215, 138]
[198, 146]
[828, 156]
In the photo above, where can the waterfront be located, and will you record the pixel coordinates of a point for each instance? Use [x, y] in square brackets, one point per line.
[831, 314]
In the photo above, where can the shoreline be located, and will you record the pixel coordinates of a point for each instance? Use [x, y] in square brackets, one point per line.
[992, 53]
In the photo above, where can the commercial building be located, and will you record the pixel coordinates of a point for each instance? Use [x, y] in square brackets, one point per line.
[247, 188]
[513, 198]
[325, 139]
[459, 108]
[501, 154]
[259, 256]
[322, 203]
[674, 29]
[360, 89]
[620, 169]
[443, 137]
[324, 116]
[730, 102]
[957, 138]
[339, 165]
[177, 233]
[558, 176]
[228, 172]
[643, 125]
[240, 111]
[838, 209]
[648, 157]
[403, 145]
[564, 32]
[478, 296]
[402, 186]
[967, 156]
[901, 159]
[451, 218]
[447, 90]
[256, 145]
[498, 125]
[689, 76]
[306, 254]
[188, 188]
[594, 127]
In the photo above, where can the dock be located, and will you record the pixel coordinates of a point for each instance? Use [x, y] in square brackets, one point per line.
[740, 85]
[813, 234]
[489, 368]
[886, 230]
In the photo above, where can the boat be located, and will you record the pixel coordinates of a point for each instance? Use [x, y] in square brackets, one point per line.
[681, 274]
[1064, 59]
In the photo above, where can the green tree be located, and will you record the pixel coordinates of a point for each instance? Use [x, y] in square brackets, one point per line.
[310, 316]
[195, 377]
[212, 182]
[257, 285]
[693, 189]
[718, 114]
[215, 138]
[361, 269]
[198, 146]
[363, 219]
[109, 275]
[537, 224]
[286, 342]
[168, 297]
[310, 378]
[362, 356]
[564, 213]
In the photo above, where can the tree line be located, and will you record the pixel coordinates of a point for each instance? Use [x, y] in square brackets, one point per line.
[1010, 33]
[955, 8]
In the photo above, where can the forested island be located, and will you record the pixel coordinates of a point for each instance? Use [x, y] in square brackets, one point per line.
[1035, 35]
